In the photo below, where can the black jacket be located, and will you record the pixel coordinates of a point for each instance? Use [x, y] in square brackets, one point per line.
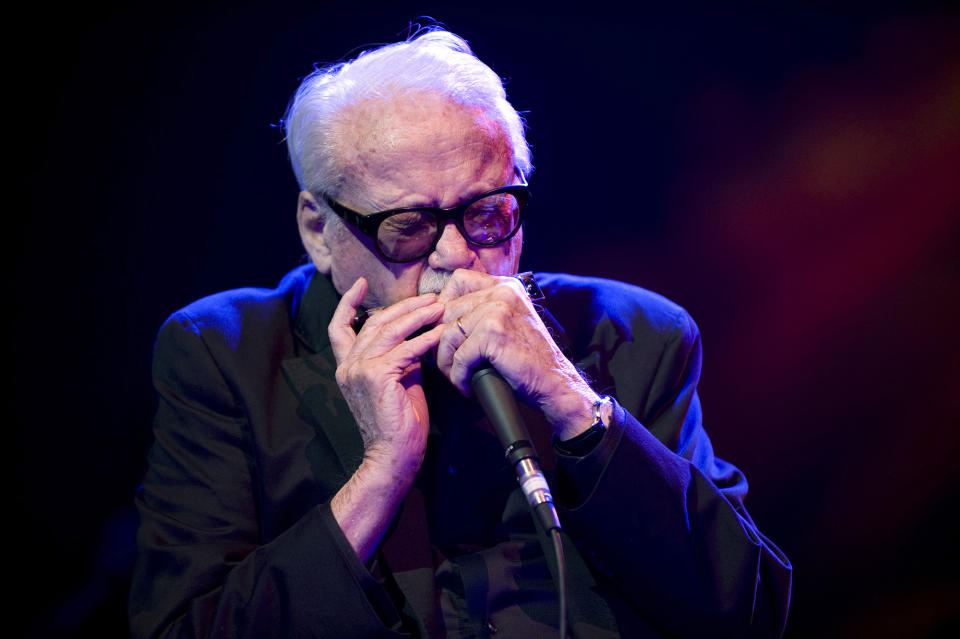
[252, 439]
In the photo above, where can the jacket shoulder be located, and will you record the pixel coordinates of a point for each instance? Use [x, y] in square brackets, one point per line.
[232, 315]
[589, 302]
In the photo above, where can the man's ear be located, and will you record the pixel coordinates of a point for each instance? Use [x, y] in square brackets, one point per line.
[310, 221]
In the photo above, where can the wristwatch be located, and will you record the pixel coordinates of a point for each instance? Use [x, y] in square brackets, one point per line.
[588, 439]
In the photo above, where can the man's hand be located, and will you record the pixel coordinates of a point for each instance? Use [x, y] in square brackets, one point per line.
[500, 325]
[378, 372]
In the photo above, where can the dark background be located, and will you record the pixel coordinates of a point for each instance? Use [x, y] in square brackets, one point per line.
[789, 174]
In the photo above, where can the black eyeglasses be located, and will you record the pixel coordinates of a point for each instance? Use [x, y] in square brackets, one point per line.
[408, 234]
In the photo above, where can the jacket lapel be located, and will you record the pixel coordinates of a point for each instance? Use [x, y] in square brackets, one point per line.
[338, 450]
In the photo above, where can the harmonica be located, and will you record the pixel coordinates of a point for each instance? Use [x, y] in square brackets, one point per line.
[363, 314]
[526, 278]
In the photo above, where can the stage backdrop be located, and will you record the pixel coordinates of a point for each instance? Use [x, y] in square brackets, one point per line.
[788, 174]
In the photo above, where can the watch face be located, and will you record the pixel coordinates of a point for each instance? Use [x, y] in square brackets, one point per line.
[597, 417]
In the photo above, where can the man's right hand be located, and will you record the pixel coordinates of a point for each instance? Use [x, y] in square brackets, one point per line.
[378, 372]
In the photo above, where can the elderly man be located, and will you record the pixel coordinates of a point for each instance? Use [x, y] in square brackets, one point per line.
[315, 477]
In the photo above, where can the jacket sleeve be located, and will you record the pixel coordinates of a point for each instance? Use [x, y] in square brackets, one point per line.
[203, 569]
[660, 519]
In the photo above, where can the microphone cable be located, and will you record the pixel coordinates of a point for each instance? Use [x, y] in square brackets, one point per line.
[500, 405]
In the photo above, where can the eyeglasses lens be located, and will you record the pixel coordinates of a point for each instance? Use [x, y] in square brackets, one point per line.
[491, 219]
[410, 235]
[407, 235]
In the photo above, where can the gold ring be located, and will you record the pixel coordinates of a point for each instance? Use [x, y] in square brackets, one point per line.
[460, 326]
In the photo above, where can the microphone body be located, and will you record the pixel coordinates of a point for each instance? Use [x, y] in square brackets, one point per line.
[499, 403]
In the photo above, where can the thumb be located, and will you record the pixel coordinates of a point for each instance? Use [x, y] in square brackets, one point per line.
[340, 330]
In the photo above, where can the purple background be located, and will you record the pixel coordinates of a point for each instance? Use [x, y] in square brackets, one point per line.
[789, 175]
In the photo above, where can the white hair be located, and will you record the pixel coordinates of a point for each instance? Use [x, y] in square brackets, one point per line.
[433, 60]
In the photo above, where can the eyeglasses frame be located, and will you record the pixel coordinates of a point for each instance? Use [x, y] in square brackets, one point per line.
[369, 223]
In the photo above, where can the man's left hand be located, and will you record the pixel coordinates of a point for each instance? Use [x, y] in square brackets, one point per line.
[500, 326]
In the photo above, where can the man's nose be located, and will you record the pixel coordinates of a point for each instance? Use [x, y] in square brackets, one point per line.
[452, 251]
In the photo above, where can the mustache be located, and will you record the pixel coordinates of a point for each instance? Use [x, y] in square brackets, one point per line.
[432, 281]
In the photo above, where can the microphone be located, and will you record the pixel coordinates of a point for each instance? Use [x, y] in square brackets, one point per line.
[499, 403]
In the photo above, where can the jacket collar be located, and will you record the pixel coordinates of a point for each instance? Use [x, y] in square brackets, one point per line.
[310, 374]
[313, 311]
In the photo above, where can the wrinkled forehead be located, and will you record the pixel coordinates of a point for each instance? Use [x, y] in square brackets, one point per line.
[392, 138]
